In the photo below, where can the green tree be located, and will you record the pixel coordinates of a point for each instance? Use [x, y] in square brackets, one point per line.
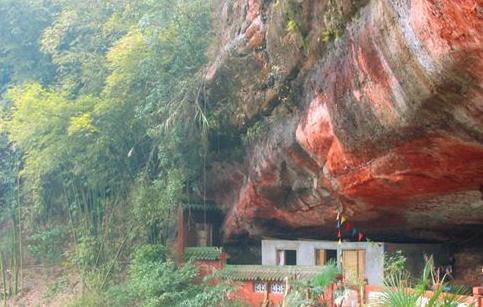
[22, 23]
[111, 122]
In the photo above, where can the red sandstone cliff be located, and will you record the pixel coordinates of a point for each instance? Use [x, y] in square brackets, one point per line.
[373, 107]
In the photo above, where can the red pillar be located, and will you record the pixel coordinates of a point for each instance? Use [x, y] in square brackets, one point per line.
[478, 295]
[180, 232]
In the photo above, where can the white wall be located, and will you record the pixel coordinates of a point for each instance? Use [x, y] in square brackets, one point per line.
[306, 254]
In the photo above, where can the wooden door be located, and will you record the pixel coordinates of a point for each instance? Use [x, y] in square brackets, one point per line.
[320, 257]
[354, 264]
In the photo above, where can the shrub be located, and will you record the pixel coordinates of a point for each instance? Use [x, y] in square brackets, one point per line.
[155, 280]
[394, 263]
[90, 299]
[292, 26]
[46, 246]
[306, 293]
[397, 294]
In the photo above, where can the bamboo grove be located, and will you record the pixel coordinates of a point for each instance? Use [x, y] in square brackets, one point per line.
[102, 129]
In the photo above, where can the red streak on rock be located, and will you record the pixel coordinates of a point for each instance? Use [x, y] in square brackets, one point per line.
[314, 133]
[448, 27]
[395, 122]
[369, 67]
[254, 9]
[255, 31]
[419, 169]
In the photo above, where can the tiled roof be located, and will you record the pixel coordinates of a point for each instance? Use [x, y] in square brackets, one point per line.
[202, 253]
[269, 272]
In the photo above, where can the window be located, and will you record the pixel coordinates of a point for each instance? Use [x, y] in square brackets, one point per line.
[290, 257]
[286, 257]
[277, 287]
[260, 286]
[331, 255]
[322, 256]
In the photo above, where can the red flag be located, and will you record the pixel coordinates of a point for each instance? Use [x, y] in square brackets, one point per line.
[348, 227]
[361, 236]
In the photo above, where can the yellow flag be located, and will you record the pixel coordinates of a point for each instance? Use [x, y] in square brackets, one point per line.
[340, 241]
[342, 219]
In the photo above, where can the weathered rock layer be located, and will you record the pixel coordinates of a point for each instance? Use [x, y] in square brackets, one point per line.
[373, 107]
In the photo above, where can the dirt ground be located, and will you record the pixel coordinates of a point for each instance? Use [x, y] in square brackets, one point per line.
[45, 287]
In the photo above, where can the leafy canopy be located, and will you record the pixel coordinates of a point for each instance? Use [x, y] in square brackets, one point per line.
[103, 125]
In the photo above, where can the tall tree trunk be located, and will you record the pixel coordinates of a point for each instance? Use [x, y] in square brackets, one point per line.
[20, 246]
[4, 279]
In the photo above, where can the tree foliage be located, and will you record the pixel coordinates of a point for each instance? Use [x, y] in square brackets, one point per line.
[22, 23]
[103, 124]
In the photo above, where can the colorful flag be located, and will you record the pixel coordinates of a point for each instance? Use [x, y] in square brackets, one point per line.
[342, 219]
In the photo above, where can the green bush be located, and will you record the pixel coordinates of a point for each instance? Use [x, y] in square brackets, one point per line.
[116, 296]
[394, 263]
[47, 245]
[85, 252]
[90, 299]
[119, 296]
[397, 294]
[306, 293]
[155, 280]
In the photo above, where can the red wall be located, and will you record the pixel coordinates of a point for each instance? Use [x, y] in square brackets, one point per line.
[180, 234]
[245, 293]
[478, 294]
[208, 267]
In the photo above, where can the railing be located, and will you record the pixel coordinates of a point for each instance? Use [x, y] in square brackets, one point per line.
[373, 293]
[370, 296]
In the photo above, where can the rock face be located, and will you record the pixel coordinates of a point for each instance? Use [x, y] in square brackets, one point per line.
[374, 108]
